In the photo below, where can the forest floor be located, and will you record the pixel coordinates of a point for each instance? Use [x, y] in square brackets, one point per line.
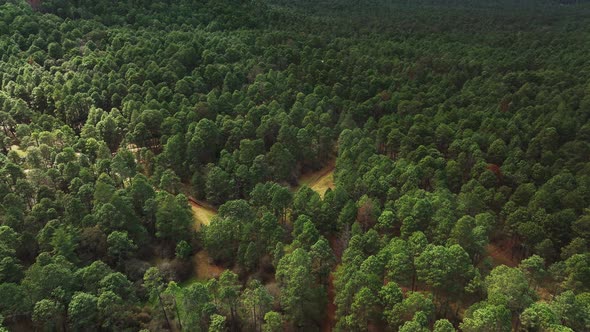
[204, 268]
[202, 212]
[319, 180]
[330, 317]
[501, 254]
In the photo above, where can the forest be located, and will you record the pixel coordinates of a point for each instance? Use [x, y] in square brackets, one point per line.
[273, 165]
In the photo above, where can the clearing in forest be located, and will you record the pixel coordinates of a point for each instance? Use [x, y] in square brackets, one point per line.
[202, 213]
[320, 180]
[501, 255]
[204, 268]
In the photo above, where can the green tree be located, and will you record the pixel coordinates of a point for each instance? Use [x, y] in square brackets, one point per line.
[64, 243]
[538, 317]
[256, 302]
[443, 325]
[322, 259]
[300, 296]
[226, 292]
[112, 310]
[281, 162]
[432, 268]
[218, 185]
[47, 274]
[273, 322]
[183, 249]
[578, 272]
[83, 311]
[117, 283]
[572, 309]
[47, 314]
[197, 306]
[534, 269]
[487, 317]
[417, 324]
[12, 301]
[509, 288]
[173, 217]
[120, 246]
[217, 323]
[154, 284]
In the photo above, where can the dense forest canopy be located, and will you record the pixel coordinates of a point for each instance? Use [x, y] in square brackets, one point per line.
[233, 165]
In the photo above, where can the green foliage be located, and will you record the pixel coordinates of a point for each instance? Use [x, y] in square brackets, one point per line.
[300, 297]
[443, 325]
[487, 317]
[432, 267]
[273, 322]
[217, 323]
[173, 217]
[183, 249]
[509, 287]
[457, 133]
[46, 313]
[120, 246]
[83, 311]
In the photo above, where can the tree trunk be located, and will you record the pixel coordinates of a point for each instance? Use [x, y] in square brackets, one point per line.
[164, 311]
[177, 314]
[254, 312]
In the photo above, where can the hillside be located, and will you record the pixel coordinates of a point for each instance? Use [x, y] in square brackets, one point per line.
[275, 165]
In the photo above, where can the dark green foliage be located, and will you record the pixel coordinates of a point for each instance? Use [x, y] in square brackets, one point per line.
[458, 134]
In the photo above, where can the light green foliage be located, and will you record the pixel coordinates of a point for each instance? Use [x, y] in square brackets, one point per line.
[509, 287]
[196, 305]
[443, 325]
[538, 316]
[218, 323]
[487, 317]
[273, 322]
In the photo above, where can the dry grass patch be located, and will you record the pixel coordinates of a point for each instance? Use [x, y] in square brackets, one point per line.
[320, 180]
[202, 213]
[204, 267]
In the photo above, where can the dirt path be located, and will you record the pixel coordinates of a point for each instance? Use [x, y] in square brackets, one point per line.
[203, 266]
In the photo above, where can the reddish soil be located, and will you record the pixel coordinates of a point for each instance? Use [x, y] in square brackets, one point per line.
[501, 254]
[204, 267]
[330, 318]
[35, 4]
